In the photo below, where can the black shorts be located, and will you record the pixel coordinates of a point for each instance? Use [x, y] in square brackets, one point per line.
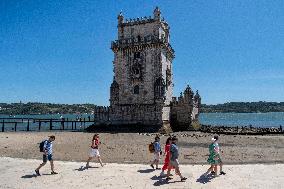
[46, 157]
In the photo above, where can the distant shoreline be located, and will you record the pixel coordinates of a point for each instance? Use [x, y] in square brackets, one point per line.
[52, 108]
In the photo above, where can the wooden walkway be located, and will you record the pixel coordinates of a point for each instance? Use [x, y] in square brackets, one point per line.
[36, 124]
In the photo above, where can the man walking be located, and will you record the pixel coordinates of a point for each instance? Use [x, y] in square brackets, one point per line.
[47, 155]
[174, 160]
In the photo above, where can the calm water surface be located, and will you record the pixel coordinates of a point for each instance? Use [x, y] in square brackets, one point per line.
[272, 119]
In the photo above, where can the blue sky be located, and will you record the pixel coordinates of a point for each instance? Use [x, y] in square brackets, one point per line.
[59, 51]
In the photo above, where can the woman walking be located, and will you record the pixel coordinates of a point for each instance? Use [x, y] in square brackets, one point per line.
[94, 150]
[167, 158]
[214, 158]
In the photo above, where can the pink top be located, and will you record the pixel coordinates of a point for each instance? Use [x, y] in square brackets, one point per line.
[95, 143]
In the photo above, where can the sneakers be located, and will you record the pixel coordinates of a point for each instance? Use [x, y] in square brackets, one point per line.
[183, 179]
[37, 173]
[54, 173]
[222, 173]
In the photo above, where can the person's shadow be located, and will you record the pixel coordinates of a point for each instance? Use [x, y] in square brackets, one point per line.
[83, 168]
[205, 179]
[29, 176]
[146, 170]
[161, 180]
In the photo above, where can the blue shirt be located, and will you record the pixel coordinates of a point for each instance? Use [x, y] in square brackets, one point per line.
[174, 152]
[48, 147]
[157, 147]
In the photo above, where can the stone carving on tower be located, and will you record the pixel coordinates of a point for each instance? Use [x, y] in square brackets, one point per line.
[142, 88]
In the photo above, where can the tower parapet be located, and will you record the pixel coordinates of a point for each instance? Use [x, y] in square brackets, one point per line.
[184, 110]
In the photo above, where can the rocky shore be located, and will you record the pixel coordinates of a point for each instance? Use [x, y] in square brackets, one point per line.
[240, 130]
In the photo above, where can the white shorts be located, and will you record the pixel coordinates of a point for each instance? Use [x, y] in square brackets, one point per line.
[94, 153]
[156, 156]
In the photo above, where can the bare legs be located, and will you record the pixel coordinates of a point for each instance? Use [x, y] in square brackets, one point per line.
[40, 166]
[156, 162]
[90, 158]
[88, 161]
[43, 164]
[177, 170]
[211, 168]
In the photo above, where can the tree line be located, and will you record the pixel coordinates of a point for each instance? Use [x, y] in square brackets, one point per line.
[49, 108]
[244, 107]
[44, 108]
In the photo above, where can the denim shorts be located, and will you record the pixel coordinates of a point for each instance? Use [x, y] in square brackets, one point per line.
[47, 157]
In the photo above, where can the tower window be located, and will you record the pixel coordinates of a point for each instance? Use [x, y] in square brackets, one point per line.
[136, 55]
[136, 89]
[132, 31]
[139, 38]
[159, 88]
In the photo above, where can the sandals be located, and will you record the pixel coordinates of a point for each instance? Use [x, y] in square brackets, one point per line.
[183, 179]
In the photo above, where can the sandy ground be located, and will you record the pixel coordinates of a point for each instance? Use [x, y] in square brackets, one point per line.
[18, 173]
[133, 147]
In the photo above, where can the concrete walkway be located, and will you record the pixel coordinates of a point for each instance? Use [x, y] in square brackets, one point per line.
[19, 173]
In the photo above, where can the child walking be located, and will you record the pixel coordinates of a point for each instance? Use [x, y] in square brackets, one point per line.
[157, 152]
[94, 150]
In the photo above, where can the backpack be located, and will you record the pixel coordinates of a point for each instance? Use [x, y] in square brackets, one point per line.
[41, 146]
[151, 148]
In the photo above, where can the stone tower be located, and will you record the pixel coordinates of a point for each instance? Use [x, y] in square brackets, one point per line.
[142, 88]
[143, 68]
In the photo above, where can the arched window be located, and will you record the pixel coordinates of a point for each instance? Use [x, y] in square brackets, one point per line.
[159, 87]
[136, 89]
[139, 38]
[136, 55]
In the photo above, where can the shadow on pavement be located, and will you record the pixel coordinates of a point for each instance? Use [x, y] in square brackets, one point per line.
[205, 179]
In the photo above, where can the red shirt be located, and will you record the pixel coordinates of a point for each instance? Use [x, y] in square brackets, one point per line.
[95, 143]
[167, 152]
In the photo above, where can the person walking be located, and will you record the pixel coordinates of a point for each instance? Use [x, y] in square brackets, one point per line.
[218, 155]
[174, 153]
[94, 150]
[167, 158]
[214, 158]
[46, 147]
[157, 152]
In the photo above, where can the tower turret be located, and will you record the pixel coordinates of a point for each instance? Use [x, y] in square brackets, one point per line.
[197, 100]
[188, 95]
[120, 18]
[157, 14]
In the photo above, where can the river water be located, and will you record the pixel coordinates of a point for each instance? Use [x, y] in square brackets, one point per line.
[272, 119]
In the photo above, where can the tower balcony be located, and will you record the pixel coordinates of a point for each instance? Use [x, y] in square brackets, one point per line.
[144, 41]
